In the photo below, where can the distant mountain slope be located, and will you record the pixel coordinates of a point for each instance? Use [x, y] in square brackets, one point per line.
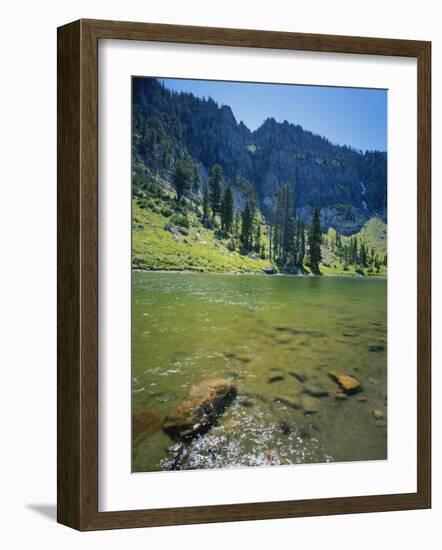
[348, 185]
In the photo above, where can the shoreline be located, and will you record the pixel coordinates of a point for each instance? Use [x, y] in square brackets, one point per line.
[254, 273]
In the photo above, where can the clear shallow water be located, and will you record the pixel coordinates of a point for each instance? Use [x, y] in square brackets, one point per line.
[187, 328]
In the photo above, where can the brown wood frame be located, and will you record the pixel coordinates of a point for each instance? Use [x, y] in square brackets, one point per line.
[77, 459]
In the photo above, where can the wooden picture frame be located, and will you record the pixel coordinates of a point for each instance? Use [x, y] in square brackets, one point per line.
[78, 274]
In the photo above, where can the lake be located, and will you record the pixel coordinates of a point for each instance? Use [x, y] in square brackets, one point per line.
[277, 338]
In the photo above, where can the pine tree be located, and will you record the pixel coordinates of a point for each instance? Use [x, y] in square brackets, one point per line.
[258, 238]
[237, 225]
[247, 227]
[276, 231]
[363, 255]
[183, 178]
[227, 209]
[354, 251]
[338, 241]
[301, 246]
[314, 241]
[377, 264]
[288, 244]
[284, 226]
[206, 204]
[215, 179]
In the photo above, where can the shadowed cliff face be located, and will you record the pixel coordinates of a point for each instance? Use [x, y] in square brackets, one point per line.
[348, 185]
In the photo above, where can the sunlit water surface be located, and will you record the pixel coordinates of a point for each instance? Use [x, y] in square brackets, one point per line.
[187, 328]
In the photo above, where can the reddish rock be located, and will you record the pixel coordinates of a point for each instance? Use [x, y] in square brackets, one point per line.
[200, 410]
[346, 382]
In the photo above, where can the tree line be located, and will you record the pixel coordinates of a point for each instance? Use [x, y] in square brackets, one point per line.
[354, 251]
[290, 244]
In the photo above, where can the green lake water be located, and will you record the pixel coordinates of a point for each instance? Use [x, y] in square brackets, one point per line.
[187, 328]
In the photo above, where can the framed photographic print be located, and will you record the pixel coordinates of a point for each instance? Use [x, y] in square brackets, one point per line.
[243, 274]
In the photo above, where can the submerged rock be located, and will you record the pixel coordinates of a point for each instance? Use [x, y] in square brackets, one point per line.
[245, 401]
[144, 424]
[271, 457]
[289, 401]
[277, 378]
[244, 358]
[282, 339]
[300, 377]
[379, 415]
[316, 391]
[230, 425]
[309, 405]
[349, 384]
[285, 427]
[315, 333]
[376, 347]
[340, 396]
[200, 410]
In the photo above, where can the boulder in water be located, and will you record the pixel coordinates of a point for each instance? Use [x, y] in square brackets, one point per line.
[200, 410]
[349, 384]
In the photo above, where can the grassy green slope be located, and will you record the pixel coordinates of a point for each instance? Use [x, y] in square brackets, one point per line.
[373, 234]
[153, 247]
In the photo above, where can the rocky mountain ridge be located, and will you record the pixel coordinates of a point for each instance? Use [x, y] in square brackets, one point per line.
[348, 185]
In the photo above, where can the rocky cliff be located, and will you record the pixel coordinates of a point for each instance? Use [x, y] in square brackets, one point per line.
[350, 186]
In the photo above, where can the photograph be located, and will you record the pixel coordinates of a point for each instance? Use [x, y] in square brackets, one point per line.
[259, 274]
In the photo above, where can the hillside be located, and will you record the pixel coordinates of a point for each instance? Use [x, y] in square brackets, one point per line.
[157, 248]
[210, 195]
[349, 186]
[163, 238]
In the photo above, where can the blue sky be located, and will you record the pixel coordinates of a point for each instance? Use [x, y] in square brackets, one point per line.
[346, 116]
